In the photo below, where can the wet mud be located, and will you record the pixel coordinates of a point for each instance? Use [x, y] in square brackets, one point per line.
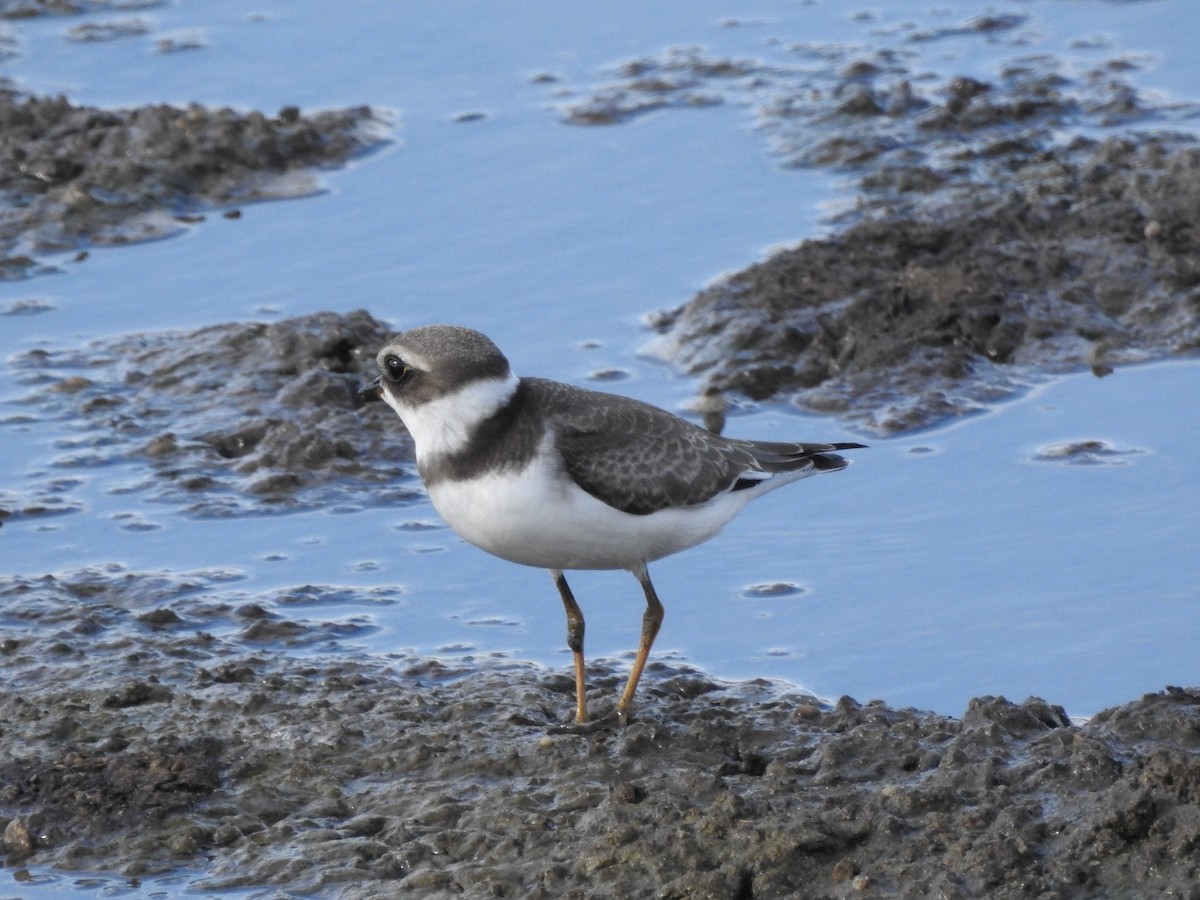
[154, 720]
[29, 9]
[982, 249]
[77, 176]
[241, 418]
[1090, 261]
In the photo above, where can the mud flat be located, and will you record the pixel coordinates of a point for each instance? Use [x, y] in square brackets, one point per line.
[232, 419]
[77, 176]
[155, 720]
[1086, 259]
[982, 247]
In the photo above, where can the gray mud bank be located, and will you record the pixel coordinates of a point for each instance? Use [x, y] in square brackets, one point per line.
[1087, 258]
[75, 176]
[157, 720]
[983, 246]
[244, 418]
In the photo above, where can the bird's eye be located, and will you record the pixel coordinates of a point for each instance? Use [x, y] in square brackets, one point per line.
[396, 370]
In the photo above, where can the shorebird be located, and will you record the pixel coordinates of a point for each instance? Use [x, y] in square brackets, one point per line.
[554, 476]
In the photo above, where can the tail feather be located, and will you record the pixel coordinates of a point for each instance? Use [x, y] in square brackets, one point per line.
[776, 456]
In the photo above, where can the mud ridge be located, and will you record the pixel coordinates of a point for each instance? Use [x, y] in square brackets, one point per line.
[76, 176]
[980, 250]
[232, 419]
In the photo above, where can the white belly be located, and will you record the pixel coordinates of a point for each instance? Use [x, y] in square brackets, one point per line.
[537, 519]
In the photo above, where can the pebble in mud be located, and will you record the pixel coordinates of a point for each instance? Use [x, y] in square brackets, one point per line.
[113, 30]
[1085, 453]
[28, 9]
[770, 589]
[410, 776]
[17, 839]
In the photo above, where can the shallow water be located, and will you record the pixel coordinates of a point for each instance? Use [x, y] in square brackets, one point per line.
[938, 567]
[99, 884]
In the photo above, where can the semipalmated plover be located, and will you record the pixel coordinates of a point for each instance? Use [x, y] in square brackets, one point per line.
[554, 476]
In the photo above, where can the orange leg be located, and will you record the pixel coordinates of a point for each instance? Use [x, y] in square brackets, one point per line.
[651, 620]
[575, 627]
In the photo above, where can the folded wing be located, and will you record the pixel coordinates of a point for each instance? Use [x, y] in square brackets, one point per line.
[640, 459]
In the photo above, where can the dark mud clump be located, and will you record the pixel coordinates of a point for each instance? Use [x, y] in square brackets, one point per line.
[74, 176]
[28, 9]
[228, 419]
[981, 249]
[1087, 258]
[149, 726]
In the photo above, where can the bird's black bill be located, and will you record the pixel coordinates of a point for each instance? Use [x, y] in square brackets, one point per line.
[372, 391]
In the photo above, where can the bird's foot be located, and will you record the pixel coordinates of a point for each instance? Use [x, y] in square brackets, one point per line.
[605, 722]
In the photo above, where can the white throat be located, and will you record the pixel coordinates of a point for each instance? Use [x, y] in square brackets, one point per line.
[445, 425]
